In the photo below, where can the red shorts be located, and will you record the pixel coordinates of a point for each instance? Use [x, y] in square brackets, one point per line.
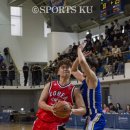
[41, 125]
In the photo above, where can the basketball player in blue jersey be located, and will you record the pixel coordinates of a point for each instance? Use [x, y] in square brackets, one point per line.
[91, 91]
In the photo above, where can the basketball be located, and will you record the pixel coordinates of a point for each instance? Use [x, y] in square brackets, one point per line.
[62, 109]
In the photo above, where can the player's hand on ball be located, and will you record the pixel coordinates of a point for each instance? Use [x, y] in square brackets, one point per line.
[62, 109]
[53, 110]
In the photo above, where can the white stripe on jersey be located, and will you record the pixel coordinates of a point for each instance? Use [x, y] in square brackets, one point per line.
[88, 99]
[94, 100]
[93, 122]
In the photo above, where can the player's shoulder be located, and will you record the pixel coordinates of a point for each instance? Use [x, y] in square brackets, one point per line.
[51, 83]
[54, 83]
[71, 85]
[47, 85]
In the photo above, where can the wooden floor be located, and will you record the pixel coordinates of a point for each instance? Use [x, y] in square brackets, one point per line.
[19, 127]
[29, 127]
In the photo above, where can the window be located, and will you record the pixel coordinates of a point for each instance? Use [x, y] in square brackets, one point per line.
[16, 21]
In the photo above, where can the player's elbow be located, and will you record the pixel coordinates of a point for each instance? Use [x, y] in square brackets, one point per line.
[39, 104]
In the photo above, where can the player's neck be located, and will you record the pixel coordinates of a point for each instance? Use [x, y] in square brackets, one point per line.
[64, 81]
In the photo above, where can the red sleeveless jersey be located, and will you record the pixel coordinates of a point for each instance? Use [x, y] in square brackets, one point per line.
[56, 92]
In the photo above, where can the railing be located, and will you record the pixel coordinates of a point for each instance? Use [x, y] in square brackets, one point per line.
[41, 76]
[12, 73]
[117, 65]
[17, 73]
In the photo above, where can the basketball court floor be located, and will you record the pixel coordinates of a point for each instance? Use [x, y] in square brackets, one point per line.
[29, 127]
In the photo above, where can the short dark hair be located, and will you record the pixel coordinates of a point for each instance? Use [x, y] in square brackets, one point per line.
[64, 61]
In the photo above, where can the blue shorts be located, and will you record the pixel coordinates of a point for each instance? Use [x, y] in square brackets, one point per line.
[96, 122]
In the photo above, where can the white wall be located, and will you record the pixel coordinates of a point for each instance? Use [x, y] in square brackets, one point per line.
[6, 40]
[32, 46]
[120, 93]
[58, 42]
[17, 99]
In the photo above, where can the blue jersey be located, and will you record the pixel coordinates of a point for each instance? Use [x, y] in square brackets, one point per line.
[92, 98]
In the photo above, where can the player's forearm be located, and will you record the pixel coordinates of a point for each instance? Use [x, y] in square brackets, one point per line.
[79, 111]
[83, 63]
[75, 65]
[44, 106]
[81, 57]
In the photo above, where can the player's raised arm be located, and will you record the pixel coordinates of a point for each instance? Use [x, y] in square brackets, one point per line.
[84, 65]
[75, 72]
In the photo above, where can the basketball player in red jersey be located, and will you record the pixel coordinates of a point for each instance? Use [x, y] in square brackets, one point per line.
[54, 91]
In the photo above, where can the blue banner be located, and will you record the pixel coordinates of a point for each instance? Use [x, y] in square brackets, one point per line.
[4, 117]
[115, 121]
[122, 121]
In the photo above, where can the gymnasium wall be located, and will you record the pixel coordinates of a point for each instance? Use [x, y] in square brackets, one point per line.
[17, 99]
[20, 99]
[58, 42]
[37, 94]
[33, 43]
[120, 93]
[32, 46]
[6, 40]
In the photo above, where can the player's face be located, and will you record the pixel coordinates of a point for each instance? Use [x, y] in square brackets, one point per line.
[64, 71]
